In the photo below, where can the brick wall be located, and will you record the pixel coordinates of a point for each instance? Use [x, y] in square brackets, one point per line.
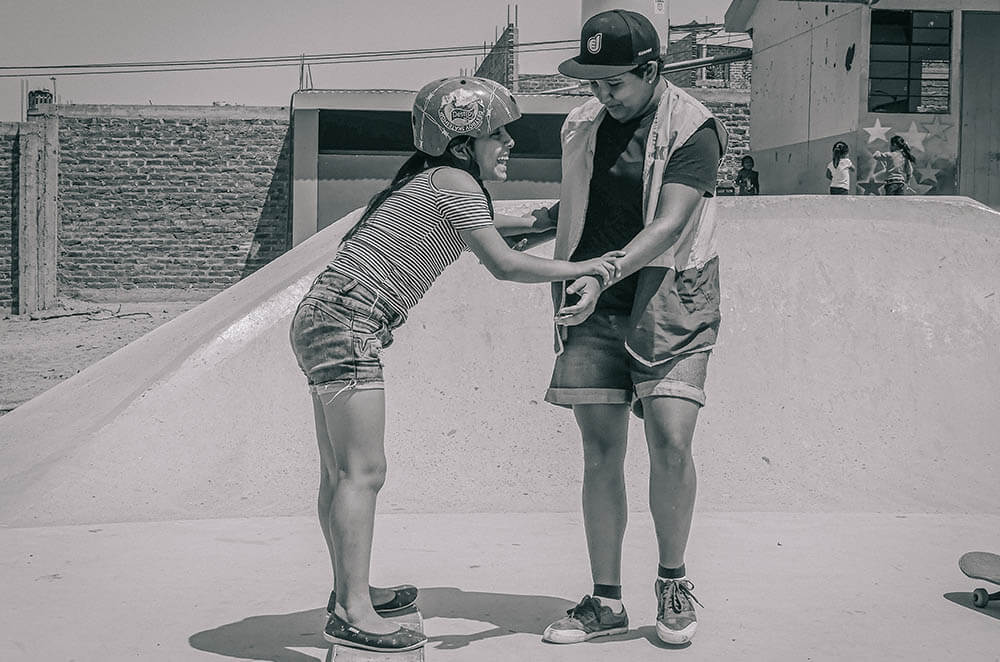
[181, 199]
[501, 63]
[9, 200]
[173, 198]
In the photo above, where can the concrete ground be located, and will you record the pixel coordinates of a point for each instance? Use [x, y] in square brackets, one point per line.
[158, 505]
[776, 586]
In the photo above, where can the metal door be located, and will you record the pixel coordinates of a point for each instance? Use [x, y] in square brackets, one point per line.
[979, 155]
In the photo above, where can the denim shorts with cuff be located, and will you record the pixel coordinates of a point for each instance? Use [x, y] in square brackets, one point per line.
[596, 368]
[338, 333]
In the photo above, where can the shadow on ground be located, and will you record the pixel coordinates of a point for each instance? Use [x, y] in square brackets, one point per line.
[964, 599]
[268, 637]
[275, 636]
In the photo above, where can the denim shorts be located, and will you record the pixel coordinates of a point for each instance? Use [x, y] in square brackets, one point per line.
[596, 368]
[338, 334]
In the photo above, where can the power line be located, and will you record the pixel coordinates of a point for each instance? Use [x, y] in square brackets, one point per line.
[264, 65]
[215, 64]
[362, 56]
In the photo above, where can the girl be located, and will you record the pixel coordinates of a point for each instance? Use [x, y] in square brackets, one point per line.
[898, 163]
[838, 171]
[435, 207]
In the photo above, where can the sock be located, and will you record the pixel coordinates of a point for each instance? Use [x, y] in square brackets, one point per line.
[609, 595]
[671, 573]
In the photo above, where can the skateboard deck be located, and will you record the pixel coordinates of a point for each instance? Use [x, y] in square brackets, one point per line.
[411, 618]
[984, 566]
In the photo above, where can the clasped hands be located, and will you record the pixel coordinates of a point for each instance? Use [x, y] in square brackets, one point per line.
[605, 271]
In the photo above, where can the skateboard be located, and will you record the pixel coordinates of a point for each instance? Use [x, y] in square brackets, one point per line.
[411, 618]
[985, 566]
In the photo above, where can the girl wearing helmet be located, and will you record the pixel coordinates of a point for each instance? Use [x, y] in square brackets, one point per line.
[435, 208]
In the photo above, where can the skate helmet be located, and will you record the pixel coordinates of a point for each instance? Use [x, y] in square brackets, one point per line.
[459, 106]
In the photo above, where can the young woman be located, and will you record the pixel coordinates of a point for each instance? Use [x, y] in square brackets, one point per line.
[435, 208]
[898, 163]
[838, 170]
[639, 170]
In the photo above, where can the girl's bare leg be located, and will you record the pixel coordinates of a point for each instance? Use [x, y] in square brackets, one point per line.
[355, 426]
[328, 473]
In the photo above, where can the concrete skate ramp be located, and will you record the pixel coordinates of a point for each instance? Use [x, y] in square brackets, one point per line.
[858, 371]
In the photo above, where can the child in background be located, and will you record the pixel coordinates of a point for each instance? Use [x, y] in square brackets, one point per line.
[838, 170]
[747, 178]
[898, 165]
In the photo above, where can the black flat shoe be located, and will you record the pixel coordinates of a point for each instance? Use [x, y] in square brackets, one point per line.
[340, 632]
[405, 596]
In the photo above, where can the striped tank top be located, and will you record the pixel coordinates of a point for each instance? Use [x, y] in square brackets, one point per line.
[409, 240]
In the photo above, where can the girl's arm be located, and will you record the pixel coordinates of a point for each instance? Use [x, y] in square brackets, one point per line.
[507, 264]
[537, 221]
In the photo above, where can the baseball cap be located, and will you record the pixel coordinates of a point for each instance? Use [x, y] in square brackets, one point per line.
[612, 43]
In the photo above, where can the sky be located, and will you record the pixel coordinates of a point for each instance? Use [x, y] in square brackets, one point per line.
[57, 32]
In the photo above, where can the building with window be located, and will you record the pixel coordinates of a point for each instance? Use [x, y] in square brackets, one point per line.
[862, 73]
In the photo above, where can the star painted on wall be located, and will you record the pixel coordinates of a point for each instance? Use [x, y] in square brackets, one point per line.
[919, 189]
[878, 131]
[914, 137]
[937, 128]
[928, 173]
[870, 186]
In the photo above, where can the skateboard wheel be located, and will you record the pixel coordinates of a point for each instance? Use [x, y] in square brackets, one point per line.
[980, 597]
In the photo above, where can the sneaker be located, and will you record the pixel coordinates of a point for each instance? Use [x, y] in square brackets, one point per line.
[585, 621]
[340, 632]
[675, 617]
[405, 596]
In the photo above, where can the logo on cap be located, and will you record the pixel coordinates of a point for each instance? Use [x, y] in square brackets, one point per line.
[462, 111]
[594, 44]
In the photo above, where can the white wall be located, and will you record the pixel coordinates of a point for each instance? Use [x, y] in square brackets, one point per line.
[801, 85]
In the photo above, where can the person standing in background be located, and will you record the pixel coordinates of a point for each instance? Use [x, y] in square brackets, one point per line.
[748, 179]
[838, 170]
[898, 163]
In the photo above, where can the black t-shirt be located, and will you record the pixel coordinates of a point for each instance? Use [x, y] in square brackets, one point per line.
[614, 208]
